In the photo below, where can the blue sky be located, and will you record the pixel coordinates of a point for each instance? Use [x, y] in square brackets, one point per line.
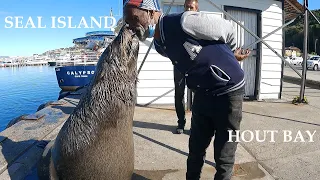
[313, 4]
[24, 42]
[21, 42]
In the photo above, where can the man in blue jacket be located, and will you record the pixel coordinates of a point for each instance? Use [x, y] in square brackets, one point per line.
[203, 48]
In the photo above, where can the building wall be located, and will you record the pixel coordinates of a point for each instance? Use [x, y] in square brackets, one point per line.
[271, 63]
[156, 85]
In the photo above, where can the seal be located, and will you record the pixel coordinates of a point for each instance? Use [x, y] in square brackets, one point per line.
[96, 141]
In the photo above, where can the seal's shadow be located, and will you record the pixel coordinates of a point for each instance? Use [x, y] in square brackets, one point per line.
[150, 174]
[138, 177]
[18, 154]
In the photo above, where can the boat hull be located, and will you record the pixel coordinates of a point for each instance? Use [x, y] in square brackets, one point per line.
[70, 78]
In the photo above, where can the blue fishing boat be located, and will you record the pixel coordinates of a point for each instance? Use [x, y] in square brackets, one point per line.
[79, 71]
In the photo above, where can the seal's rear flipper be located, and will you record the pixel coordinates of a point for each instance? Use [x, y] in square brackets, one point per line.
[43, 144]
[44, 162]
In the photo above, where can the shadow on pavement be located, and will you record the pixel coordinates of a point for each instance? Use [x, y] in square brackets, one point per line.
[286, 119]
[169, 147]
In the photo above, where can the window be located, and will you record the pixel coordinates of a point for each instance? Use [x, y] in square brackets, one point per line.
[174, 8]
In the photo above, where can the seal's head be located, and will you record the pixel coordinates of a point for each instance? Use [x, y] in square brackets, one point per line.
[127, 45]
[142, 17]
[120, 57]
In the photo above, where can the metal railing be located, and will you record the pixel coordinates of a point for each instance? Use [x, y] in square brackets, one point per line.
[305, 52]
[254, 35]
[303, 75]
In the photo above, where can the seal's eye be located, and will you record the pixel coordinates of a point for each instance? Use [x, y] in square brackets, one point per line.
[136, 18]
[132, 21]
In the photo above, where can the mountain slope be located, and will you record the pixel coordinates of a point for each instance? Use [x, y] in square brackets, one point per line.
[294, 33]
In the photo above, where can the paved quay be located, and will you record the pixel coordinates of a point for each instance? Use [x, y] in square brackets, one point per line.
[284, 158]
[162, 154]
[288, 160]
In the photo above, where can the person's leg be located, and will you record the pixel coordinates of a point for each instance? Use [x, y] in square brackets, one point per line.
[202, 131]
[179, 83]
[228, 118]
[192, 105]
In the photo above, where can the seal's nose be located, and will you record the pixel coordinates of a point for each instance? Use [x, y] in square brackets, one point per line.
[131, 30]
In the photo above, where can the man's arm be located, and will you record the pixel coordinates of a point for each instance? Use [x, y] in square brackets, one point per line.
[207, 26]
[157, 42]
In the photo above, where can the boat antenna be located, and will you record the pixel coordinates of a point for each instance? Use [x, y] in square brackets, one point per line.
[119, 7]
[111, 15]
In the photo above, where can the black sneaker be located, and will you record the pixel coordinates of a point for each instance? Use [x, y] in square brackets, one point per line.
[180, 129]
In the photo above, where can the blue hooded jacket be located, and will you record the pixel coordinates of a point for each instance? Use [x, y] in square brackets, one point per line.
[208, 65]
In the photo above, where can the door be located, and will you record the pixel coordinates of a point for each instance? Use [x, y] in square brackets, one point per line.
[249, 19]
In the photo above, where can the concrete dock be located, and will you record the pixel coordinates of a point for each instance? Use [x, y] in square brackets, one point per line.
[24, 64]
[162, 154]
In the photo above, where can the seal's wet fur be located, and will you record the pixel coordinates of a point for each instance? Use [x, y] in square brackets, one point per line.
[96, 142]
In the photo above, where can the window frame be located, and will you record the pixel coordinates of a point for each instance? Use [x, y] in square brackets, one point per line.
[175, 4]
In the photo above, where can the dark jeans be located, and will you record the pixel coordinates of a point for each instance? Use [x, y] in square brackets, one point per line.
[179, 85]
[214, 116]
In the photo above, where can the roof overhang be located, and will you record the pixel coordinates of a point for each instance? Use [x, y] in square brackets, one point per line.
[292, 8]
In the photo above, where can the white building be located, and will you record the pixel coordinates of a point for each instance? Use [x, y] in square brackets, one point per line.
[263, 69]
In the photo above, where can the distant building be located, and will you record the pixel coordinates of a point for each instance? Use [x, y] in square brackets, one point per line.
[292, 51]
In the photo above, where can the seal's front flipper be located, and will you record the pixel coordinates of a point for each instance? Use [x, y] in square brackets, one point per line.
[43, 144]
[44, 162]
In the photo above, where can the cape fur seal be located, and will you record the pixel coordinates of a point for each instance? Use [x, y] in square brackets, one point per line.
[96, 142]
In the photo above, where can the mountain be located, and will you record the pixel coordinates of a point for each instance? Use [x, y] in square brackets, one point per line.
[294, 33]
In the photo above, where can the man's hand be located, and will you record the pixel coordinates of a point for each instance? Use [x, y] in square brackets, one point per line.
[241, 54]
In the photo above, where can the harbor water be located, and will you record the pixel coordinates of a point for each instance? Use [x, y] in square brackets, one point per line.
[23, 89]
